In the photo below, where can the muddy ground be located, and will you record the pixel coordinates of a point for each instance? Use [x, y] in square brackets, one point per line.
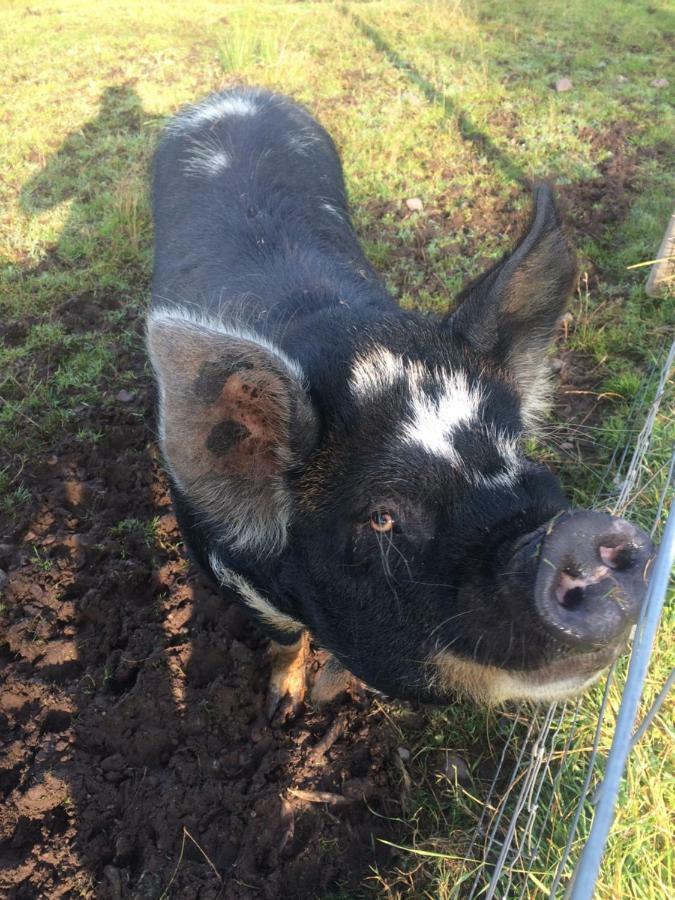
[136, 759]
[132, 710]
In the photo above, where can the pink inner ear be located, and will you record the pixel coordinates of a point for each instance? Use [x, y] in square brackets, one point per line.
[247, 423]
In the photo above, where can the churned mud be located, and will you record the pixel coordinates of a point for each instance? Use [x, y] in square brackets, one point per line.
[136, 757]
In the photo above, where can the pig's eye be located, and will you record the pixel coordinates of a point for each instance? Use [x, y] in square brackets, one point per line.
[382, 521]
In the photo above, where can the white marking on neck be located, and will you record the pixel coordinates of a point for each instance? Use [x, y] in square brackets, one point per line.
[304, 141]
[255, 601]
[518, 686]
[492, 685]
[206, 157]
[213, 109]
[329, 208]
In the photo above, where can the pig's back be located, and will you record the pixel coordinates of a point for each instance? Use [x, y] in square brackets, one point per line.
[251, 216]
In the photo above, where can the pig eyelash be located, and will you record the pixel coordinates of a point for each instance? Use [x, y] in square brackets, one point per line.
[437, 584]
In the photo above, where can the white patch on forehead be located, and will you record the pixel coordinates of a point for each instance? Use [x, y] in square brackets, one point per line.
[374, 373]
[507, 448]
[255, 601]
[433, 419]
[213, 109]
[206, 157]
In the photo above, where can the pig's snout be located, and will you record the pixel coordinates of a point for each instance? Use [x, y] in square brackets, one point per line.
[591, 578]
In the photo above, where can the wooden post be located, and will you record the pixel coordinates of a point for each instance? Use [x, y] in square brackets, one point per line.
[662, 275]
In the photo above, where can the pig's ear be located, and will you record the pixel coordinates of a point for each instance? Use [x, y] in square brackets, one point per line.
[510, 312]
[235, 421]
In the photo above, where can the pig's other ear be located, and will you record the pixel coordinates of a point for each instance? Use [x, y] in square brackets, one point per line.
[235, 420]
[510, 312]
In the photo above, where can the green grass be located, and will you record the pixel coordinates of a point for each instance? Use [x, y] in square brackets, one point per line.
[144, 531]
[451, 102]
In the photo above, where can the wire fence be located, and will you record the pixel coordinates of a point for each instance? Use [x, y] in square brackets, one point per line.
[550, 800]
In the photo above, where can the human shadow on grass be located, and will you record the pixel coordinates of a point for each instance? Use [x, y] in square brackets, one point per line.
[96, 170]
[146, 767]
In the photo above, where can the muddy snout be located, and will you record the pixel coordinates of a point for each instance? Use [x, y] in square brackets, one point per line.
[591, 578]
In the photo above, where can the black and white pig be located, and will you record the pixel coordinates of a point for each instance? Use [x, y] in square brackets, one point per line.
[352, 470]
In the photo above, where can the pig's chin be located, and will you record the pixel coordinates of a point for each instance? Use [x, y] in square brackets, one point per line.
[558, 679]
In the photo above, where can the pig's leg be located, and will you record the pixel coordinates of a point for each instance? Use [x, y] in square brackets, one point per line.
[287, 679]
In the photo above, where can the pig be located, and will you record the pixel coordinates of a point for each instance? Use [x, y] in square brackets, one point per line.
[353, 471]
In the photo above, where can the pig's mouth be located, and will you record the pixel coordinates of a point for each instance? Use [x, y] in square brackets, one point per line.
[586, 576]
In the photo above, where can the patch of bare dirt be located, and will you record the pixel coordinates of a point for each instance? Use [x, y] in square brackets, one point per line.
[599, 203]
[134, 752]
[595, 206]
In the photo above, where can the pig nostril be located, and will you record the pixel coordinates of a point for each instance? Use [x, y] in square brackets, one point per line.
[570, 591]
[620, 558]
[572, 599]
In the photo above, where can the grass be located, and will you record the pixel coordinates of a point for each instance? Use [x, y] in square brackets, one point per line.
[449, 102]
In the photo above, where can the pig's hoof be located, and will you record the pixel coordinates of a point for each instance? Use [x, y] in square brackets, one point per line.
[286, 692]
[331, 681]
